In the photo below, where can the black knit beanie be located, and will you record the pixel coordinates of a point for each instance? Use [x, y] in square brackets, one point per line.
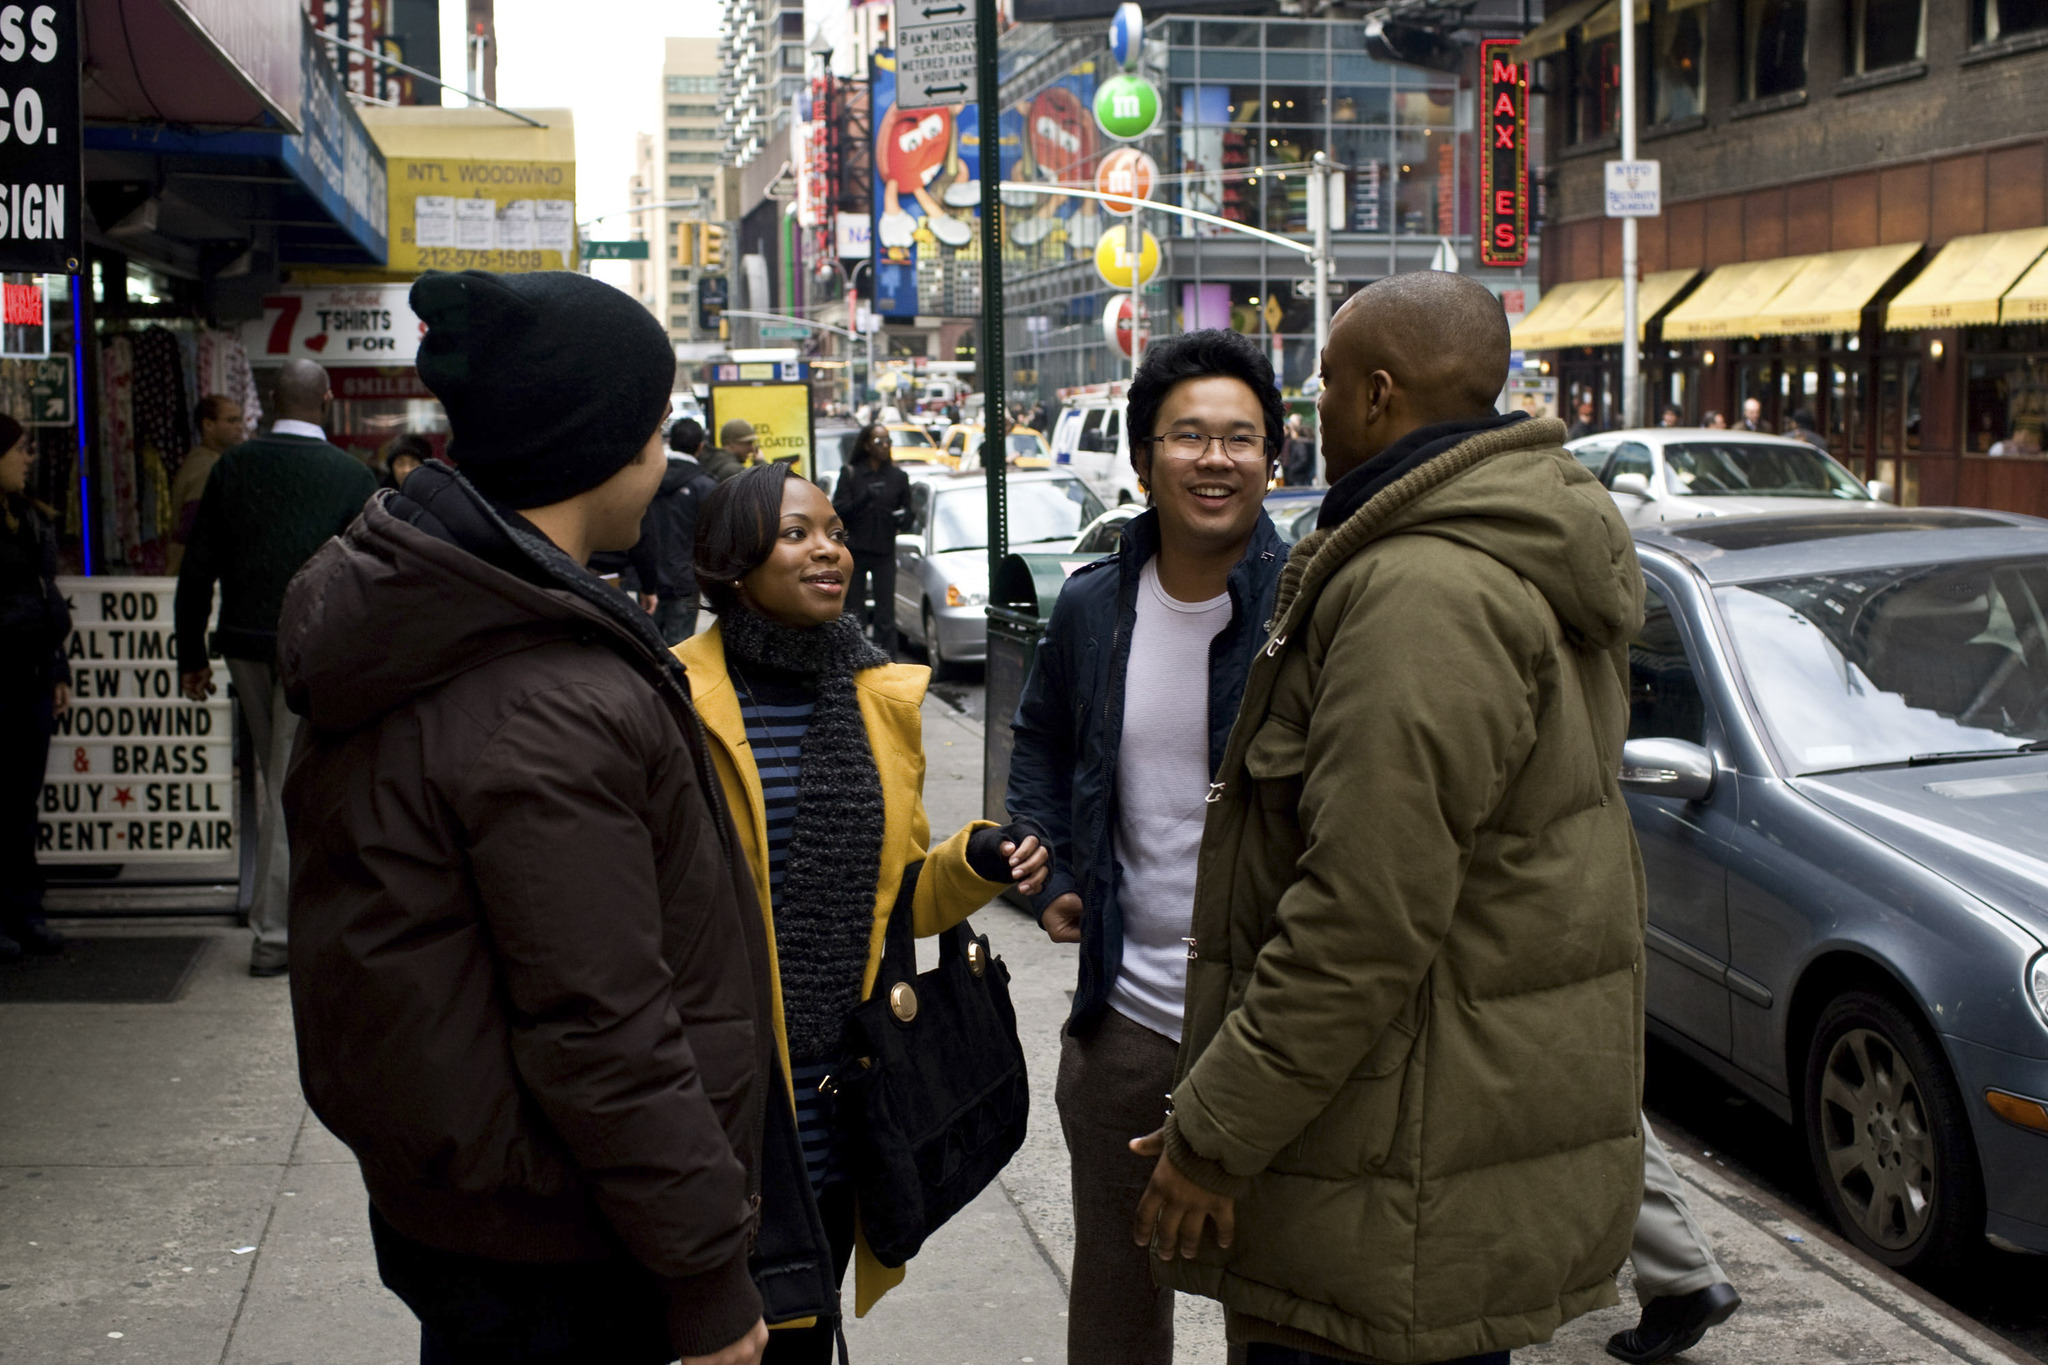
[553, 381]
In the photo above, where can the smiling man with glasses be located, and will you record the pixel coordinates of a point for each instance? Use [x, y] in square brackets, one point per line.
[1120, 730]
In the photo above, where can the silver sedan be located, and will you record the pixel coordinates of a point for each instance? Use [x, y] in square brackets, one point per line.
[1662, 474]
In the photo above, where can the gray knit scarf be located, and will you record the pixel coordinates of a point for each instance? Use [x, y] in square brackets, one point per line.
[827, 913]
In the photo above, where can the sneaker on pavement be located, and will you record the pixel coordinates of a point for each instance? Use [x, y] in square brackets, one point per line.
[268, 962]
[1674, 1323]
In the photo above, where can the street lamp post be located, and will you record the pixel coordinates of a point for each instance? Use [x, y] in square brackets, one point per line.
[1631, 348]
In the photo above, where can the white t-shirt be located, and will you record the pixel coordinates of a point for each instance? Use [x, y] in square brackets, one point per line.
[1162, 784]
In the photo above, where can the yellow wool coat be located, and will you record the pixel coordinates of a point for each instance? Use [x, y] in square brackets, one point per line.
[948, 891]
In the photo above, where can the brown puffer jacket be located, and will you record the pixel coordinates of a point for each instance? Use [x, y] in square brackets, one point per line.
[528, 974]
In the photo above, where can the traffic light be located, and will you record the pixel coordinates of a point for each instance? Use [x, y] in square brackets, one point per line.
[682, 251]
[711, 246]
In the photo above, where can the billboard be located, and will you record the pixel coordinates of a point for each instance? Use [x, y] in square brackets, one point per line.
[781, 414]
[478, 194]
[355, 324]
[1504, 161]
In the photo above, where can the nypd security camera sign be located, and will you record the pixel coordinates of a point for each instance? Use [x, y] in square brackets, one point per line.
[40, 199]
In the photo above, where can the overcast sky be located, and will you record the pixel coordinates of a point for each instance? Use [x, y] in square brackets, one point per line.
[603, 60]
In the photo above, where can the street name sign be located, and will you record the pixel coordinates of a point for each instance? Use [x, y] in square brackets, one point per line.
[934, 53]
[49, 392]
[633, 250]
[1634, 189]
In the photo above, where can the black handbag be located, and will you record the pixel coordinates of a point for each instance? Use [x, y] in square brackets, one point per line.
[930, 1088]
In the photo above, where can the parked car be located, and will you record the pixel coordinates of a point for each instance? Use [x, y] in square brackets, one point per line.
[1089, 438]
[1294, 511]
[942, 558]
[1660, 474]
[910, 443]
[1837, 765]
[961, 447]
[1102, 535]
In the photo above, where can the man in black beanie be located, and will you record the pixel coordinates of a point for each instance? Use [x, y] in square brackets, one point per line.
[529, 976]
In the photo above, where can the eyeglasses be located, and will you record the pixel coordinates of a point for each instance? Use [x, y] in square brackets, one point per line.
[1192, 445]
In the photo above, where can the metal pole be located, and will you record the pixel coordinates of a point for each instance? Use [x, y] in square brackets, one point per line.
[1319, 219]
[995, 401]
[1631, 347]
[1134, 242]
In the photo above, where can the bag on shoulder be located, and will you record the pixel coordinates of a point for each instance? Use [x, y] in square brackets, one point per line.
[932, 1095]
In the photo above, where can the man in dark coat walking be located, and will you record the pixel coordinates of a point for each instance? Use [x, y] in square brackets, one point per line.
[529, 977]
[684, 485]
[269, 504]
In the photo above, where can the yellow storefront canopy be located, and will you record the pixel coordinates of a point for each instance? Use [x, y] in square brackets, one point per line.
[1602, 326]
[1547, 39]
[1559, 311]
[1963, 283]
[2027, 301]
[1830, 293]
[1727, 301]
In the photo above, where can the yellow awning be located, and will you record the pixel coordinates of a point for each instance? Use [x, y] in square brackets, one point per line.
[1730, 298]
[1962, 284]
[1558, 312]
[1602, 326]
[1830, 293]
[2027, 301]
[1547, 38]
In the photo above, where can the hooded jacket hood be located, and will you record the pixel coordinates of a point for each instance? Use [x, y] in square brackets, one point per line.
[1512, 493]
[426, 585]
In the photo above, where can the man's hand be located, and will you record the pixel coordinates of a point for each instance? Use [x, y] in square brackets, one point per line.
[198, 684]
[1029, 862]
[60, 699]
[648, 602]
[746, 1351]
[1062, 922]
[1174, 1208]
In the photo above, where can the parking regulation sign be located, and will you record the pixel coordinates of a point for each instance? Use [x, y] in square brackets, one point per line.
[1634, 189]
[934, 53]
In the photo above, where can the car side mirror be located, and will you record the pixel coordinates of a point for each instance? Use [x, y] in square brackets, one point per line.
[1636, 485]
[1675, 768]
[914, 544]
[1882, 491]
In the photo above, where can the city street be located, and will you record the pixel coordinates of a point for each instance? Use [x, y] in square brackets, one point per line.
[166, 1196]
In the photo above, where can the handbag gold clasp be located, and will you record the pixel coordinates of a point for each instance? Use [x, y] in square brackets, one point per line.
[977, 957]
[903, 1001]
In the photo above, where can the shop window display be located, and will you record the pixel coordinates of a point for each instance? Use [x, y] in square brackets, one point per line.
[1773, 48]
[1592, 77]
[1885, 33]
[1678, 64]
[2008, 405]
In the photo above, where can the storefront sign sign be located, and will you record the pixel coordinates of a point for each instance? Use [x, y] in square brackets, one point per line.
[354, 324]
[24, 320]
[136, 772]
[41, 201]
[1504, 165]
[780, 413]
[852, 238]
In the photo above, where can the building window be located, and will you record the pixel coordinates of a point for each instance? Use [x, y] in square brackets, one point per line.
[1885, 33]
[1678, 63]
[693, 111]
[692, 85]
[792, 23]
[696, 135]
[1991, 20]
[676, 158]
[1593, 69]
[1773, 48]
[679, 274]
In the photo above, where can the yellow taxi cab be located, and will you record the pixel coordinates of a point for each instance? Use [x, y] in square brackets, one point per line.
[961, 447]
[910, 444]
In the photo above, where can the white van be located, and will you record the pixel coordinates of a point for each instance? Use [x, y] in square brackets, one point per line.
[1090, 438]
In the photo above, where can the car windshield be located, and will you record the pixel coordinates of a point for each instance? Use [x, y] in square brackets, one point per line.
[908, 436]
[1026, 443]
[1055, 509]
[1753, 469]
[1878, 666]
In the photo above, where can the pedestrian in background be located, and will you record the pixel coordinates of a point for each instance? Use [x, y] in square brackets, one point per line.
[1752, 415]
[1405, 1124]
[873, 498]
[1120, 729]
[35, 688]
[220, 430]
[1680, 1286]
[1671, 416]
[269, 504]
[1713, 420]
[1803, 427]
[1587, 423]
[1298, 459]
[677, 508]
[529, 979]
[819, 747]
[735, 450]
[401, 455]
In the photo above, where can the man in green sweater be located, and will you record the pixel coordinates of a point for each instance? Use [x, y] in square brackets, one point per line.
[269, 504]
[1411, 1063]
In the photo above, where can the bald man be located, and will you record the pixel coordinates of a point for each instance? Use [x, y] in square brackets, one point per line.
[269, 504]
[1404, 1126]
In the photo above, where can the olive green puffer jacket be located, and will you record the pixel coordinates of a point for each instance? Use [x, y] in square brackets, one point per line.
[1413, 1044]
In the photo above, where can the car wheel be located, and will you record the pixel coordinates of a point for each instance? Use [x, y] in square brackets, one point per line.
[934, 652]
[1888, 1136]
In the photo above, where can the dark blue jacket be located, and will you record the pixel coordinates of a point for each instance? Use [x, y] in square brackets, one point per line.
[1070, 723]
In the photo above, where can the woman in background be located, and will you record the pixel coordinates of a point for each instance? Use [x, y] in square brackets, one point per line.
[35, 688]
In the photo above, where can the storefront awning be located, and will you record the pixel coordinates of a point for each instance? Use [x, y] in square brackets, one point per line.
[1729, 299]
[1602, 326]
[1830, 293]
[1559, 310]
[2027, 301]
[1547, 39]
[192, 63]
[1964, 282]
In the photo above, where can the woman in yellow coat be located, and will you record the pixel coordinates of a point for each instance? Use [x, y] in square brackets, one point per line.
[818, 744]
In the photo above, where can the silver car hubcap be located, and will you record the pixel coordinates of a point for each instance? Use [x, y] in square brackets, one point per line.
[931, 640]
[1873, 1128]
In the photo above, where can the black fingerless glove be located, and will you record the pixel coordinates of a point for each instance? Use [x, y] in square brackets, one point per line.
[985, 847]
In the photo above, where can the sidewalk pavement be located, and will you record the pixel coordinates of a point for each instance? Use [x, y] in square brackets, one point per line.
[166, 1196]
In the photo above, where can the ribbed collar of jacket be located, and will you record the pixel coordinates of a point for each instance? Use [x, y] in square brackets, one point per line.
[1412, 451]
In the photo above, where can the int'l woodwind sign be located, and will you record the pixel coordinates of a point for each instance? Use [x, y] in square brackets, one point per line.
[1504, 164]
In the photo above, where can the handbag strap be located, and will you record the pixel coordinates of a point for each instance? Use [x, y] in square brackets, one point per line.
[899, 937]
